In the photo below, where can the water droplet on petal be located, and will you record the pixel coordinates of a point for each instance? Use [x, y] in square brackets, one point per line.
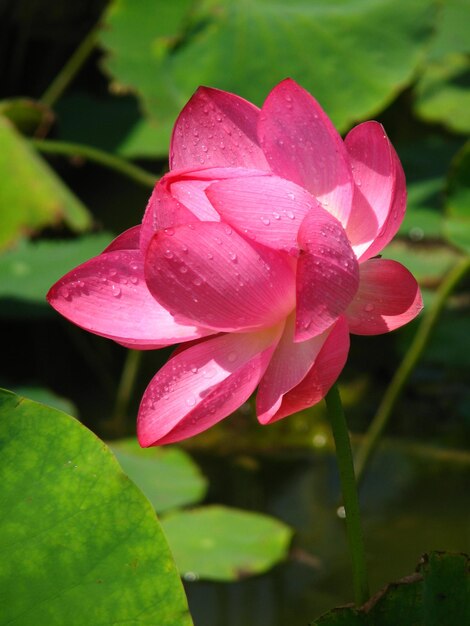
[209, 372]
[168, 254]
[191, 401]
[290, 215]
[116, 291]
[369, 307]
[183, 269]
[266, 221]
[232, 356]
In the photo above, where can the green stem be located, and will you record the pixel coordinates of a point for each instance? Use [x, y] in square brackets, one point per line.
[70, 69]
[126, 386]
[405, 368]
[350, 497]
[139, 175]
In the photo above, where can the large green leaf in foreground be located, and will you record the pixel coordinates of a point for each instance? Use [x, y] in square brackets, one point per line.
[80, 544]
[340, 50]
[437, 595]
[32, 196]
[221, 543]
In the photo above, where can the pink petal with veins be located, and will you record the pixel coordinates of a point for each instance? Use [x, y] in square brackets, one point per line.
[108, 296]
[188, 187]
[209, 273]
[180, 198]
[302, 145]
[267, 209]
[379, 200]
[388, 297]
[203, 384]
[128, 240]
[163, 211]
[325, 370]
[289, 365]
[218, 129]
[327, 274]
[395, 215]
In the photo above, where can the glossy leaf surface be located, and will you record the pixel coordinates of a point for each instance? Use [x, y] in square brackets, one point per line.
[76, 535]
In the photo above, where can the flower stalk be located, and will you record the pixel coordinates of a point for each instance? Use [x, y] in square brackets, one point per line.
[100, 157]
[350, 495]
[129, 374]
[55, 90]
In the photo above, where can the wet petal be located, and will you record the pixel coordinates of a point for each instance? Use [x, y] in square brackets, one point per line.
[289, 365]
[379, 186]
[267, 209]
[216, 128]
[180, 198]
[327, 274]
[388, 297]
[322, 375]
[209, 273]
[396, 214]
[302, 145]
[203, 384]
[163, 211]
[128, 240]
[108, 296]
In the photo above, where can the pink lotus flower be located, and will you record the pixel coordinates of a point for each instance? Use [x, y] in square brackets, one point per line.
[258, 250]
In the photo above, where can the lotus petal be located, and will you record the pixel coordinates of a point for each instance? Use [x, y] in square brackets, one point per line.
[388, 297]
